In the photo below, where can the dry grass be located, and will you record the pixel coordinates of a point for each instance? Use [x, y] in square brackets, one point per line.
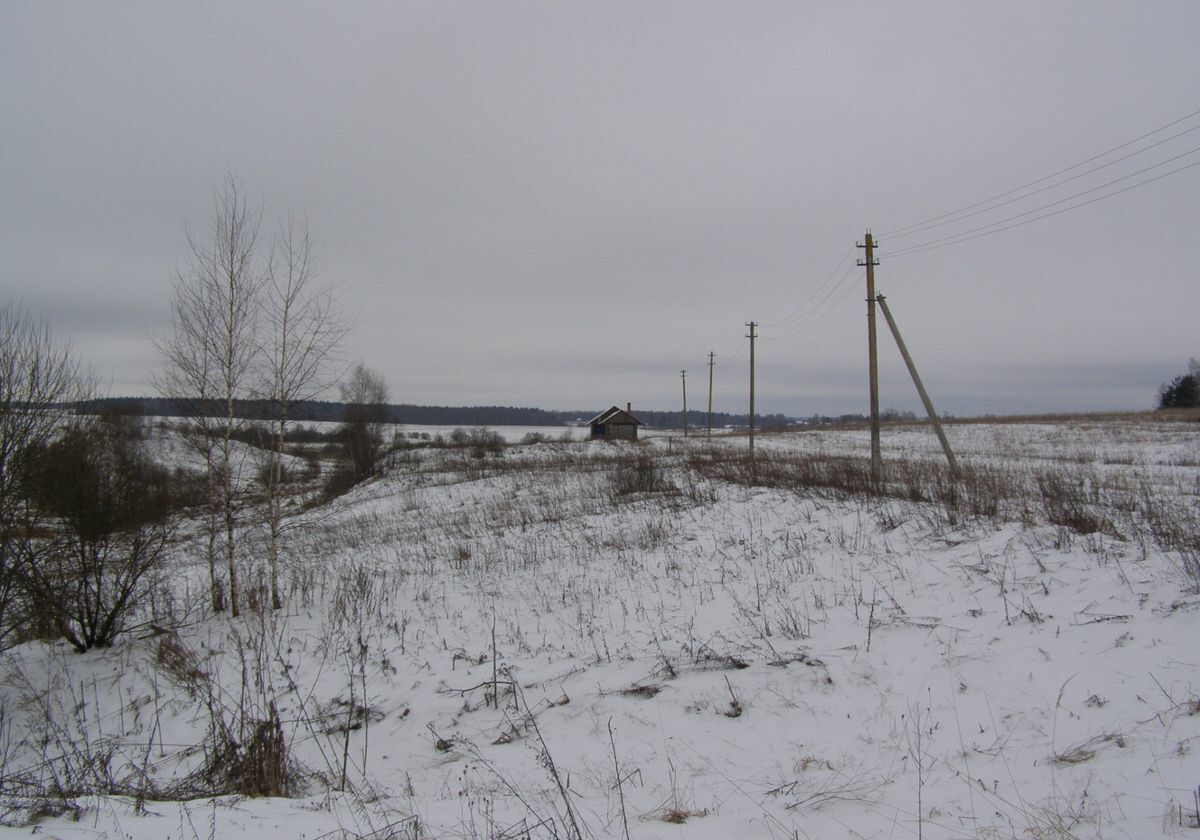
[1080, 499]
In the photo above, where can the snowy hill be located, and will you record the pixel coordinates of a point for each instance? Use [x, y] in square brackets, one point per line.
[589, 640]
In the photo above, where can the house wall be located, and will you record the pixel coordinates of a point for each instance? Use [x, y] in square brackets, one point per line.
[622, 431]
[614, 431]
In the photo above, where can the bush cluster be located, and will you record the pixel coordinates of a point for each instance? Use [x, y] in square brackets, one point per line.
[99, 517]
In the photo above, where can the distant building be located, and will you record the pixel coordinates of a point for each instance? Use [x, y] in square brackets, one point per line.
[615, 424]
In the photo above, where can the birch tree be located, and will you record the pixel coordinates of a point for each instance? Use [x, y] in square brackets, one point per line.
[304, 329]
[212, 349]
[188, 378]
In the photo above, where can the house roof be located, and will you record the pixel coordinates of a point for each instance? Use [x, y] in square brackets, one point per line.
[615, 415]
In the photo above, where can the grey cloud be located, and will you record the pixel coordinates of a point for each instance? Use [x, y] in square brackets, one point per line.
[563, 204]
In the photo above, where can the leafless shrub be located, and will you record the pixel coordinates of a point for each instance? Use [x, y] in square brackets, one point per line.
[365, 395]
[77, 759]
[339, 482]
[480, 442]
[277, 476]
[837, 474]
[245, 750]
[1074, 502]
[180, 664]
[1175, 525]
[360, 592]
[112, 529]
[37, 376]
[640, 474]
[259, 766]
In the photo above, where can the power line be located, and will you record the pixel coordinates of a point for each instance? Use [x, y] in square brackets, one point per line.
[732, 347]
[808, 312]
[815, 315]
[795, 312]
[738, 353]
[1003, 224]
[897, 231]
[848, 289]
[995, 206]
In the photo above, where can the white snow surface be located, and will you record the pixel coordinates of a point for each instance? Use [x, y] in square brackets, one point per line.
[721, 661]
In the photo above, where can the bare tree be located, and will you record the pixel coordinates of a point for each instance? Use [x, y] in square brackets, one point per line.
[365, 395]
[212, 348]
[188, 378]
[305, 329]
[112, 509]
[39, 381]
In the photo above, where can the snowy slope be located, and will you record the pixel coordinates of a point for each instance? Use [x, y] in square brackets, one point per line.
[711, 661]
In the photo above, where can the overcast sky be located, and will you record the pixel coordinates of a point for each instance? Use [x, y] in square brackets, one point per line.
[564, 204]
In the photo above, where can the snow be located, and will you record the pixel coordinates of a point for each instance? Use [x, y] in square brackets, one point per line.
[718, 661]
[515, 434]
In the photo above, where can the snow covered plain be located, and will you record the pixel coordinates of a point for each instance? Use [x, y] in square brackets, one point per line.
[510, 434]
[510, 646]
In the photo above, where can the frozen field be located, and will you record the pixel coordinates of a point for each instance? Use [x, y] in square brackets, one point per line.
[511, 434]
[587, 640]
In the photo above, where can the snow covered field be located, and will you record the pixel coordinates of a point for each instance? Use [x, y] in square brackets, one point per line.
[511, 434]
[592, 640]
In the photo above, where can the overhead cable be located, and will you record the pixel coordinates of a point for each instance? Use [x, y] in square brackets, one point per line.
[896, 232]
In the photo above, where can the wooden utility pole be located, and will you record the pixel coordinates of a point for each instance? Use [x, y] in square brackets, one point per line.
[711, 363]
[916, 378]
[751, 335]
[872, 359]
[683, 378]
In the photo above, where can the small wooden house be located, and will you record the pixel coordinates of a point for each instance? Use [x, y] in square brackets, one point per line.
[615, 424]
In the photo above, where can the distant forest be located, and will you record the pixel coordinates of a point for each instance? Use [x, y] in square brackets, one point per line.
[419, 415]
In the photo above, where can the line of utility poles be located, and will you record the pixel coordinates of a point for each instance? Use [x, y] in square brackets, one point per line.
[869, 262]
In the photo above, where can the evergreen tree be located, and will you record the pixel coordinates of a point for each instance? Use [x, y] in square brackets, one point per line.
[1183, 391]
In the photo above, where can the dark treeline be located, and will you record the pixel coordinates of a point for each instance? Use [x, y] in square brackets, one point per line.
[313, 411]
[419, 415]
[699, 420]
[888, 415]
